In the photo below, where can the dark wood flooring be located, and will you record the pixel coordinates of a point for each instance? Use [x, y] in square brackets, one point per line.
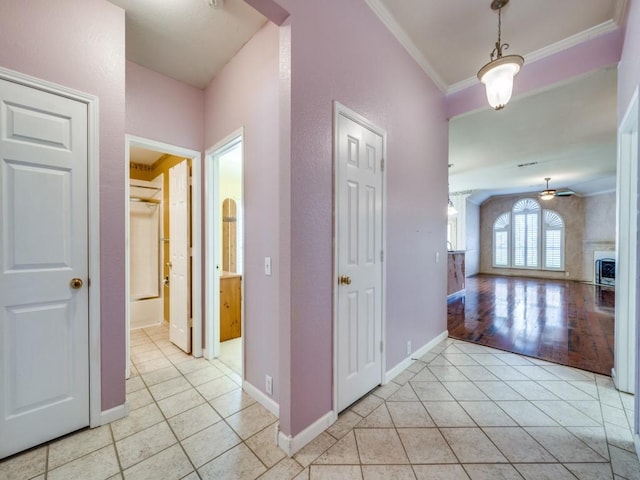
[570, 323]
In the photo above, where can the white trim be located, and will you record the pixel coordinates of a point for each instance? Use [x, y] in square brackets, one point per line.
[402, 366]
[292, 445]
[262, 398]
[557, 47]
[619, 12]
[212, 239]
[636, 441]
[626, 304]
[340, 109]
[394, 27]
[93, 192]
[196, 251]
[113, 414]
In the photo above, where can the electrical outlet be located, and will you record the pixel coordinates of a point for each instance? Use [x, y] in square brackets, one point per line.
[269, 384]
[409, 347]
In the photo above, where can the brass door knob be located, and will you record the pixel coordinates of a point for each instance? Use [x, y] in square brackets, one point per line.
[76, 283]
[344, 280]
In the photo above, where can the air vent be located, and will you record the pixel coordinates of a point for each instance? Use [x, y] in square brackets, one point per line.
[521, 165]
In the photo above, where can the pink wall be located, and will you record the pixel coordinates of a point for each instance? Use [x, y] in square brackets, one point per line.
[341, 51]
[163, 109]
[629, 67]
[593, 54]
[80, 44]
[245, 94]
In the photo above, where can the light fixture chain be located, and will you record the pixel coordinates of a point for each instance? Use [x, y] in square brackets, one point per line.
[500, 26]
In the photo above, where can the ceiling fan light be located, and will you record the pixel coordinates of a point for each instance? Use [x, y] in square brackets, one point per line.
[547, 194]
[497, 76]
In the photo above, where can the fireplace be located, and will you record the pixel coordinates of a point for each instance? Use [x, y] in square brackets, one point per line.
[605, 268]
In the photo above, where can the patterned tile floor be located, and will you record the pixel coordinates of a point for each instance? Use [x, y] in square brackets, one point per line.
[462, 411]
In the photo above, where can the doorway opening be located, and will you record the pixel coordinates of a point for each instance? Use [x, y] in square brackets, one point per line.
[163, 289]
[225, 252]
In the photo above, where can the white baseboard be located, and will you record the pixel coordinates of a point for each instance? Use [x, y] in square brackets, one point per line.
[115, 413]
[292, 445]
[400, 367]
[262, 398]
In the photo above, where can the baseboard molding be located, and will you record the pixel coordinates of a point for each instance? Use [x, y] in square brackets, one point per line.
[115, 413]
[456, 295]
[262, 398]
[614, 379]
[399, 368]
[292, 445]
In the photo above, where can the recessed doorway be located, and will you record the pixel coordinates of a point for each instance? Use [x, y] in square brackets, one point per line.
[163, 242]
[225, 252]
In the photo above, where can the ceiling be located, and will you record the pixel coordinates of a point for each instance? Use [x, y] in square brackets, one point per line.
[143, 156]
[452, 39]
[187, 39]
[568, 130]
[567, 133]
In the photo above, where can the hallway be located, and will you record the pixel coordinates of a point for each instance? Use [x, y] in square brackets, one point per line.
[461, 411]
[569, 323]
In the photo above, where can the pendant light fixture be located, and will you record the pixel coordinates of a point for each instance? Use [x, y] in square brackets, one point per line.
[497, 75]
[451, 210]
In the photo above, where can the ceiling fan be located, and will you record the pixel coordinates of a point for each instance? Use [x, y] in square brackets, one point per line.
[549, 193]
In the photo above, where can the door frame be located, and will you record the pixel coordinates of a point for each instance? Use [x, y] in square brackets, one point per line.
[340, 109]
[93, 193]
[213, 239]
[196, 236]
[627, 251]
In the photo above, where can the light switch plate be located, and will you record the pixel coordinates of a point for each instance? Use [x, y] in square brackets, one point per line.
[267, 266]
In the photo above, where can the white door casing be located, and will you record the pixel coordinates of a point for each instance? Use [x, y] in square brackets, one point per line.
[359, 249]
[213, 241]
[44, 320]
[627, 251]
[179, 291]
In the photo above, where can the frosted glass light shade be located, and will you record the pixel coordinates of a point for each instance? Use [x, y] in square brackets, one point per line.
[497, 77]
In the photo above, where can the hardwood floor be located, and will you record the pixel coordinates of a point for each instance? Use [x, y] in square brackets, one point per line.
[570, 323]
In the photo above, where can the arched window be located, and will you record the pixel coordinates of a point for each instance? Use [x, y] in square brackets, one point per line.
[528, 237]
[501, 240]
[526, 228]
[553, 238]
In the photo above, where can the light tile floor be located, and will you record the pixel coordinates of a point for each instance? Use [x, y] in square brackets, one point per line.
[462, 411]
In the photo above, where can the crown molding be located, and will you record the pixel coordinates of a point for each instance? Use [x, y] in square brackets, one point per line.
[572, 41]
[387, 19]
[619, 11]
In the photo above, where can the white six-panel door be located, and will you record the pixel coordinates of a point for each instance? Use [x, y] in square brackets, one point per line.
[179, 294]
[359, 250]
[44, 356]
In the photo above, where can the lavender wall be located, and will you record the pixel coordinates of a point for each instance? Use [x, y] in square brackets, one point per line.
[80, 44]
[628, 80]
[163, 109]
[341, 51]
[245, 94]
[629, 66]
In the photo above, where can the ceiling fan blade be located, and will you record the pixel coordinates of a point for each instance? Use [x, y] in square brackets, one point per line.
[564, 193]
